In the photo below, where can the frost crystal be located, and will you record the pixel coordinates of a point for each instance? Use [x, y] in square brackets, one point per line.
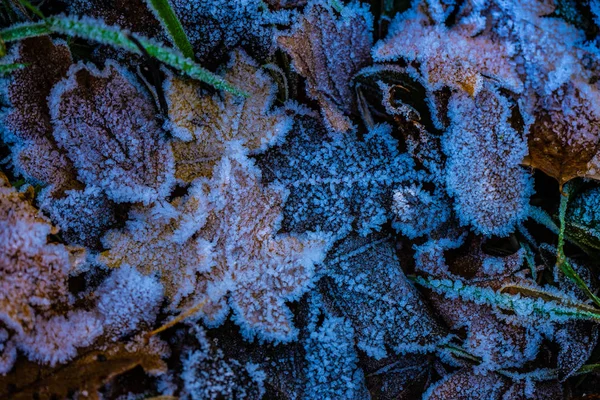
[337, 182]
[106, 125]
[328, 50]
[490, 188]
[206, 124]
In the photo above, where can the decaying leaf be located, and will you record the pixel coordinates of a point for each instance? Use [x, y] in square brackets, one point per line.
[337, 183]
[483, 173]
[220, 241]
[208, 124]
[106, 125]
[366, 284]
[328, 49]
[564, 139]
[85, 375]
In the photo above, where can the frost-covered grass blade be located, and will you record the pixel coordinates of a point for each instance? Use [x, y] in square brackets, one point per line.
[166, 15]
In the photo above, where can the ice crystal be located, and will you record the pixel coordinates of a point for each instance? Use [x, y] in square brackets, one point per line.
[206, 124]
[337, 183]
[328, 50]
[106, 125]
[418, 212]
[366, 284]
[490, 188]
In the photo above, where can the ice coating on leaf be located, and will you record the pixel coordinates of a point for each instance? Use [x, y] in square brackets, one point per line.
[466, 384]
[209, 374]
[337, 183]
[106, 126]
[217, 26]
[159, 240]
[206, 123]
[128, 299]
[366, 284]
[328, 48]
[491, 190]
[563, 140]
[262, 269]
[26, 124]
[221, 241]
[83, 215]
[577, 340]
[418, 212]
[33, 272]
[447, 56]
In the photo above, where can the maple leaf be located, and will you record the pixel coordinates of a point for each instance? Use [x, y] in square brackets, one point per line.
[563, 140]
[219, 241]
[337, 184]
[106, 126]
[206, 124]
[483, 173]
[365, 283]
[328, 49]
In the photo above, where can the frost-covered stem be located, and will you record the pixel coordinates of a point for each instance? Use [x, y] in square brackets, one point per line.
[515, 303]
[541, 217]
[187, 313]
[8, 68]
[529, 258]
[24, 31]
[336, 5]
[561, 260]
[164, 12]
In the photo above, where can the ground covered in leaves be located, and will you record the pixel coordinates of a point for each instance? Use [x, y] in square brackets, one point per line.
[299, 199]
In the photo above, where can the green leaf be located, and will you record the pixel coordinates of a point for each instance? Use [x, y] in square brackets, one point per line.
[32, 8]
[165, 14]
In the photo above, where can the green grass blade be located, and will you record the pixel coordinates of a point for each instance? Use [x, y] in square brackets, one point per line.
[8, 68]
[32, 8]
[92, 29]
[24, 31]
[164, 12]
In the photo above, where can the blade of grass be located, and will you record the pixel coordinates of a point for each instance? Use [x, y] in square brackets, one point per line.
[98, 31]
[164, 12]
[561, 260]
[32, 8]
[8, 68]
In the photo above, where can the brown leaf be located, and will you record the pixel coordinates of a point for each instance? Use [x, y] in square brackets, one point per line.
[86, 374]
[564, 139]
[328, 50]
[207, 125]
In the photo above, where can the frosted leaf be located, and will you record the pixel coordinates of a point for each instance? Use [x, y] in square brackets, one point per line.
[128, 300]
[106, 126]
[366, 284]
[26, 123]
[398, 377]
[260, 268]
[218, 26]
[447, 57]
[33, 272]
[205, 123]
[208, 374]
[577, 340]
[83, 215]
[159, 240]
[490, 188]
[465, 384]
[48, 63]
[563, 140]
[583, 218]
[337, 184]
[328, 49]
